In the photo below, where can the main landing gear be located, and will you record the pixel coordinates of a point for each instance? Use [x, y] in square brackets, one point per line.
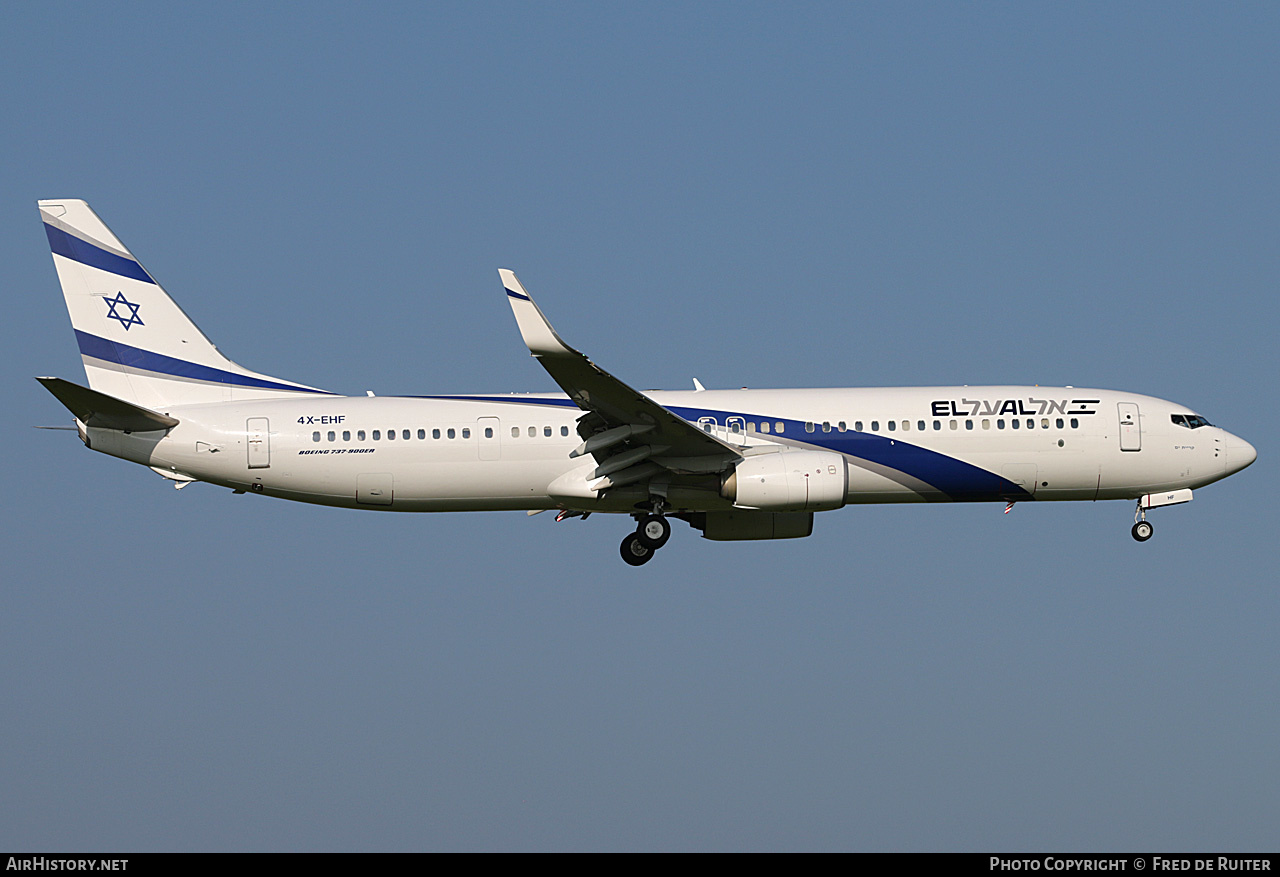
[1142, 529]
[652, 532]
[634, 552]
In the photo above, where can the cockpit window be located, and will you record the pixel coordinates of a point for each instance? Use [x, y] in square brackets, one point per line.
[1190, 421]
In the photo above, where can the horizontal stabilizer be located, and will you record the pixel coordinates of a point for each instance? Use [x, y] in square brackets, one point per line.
[100, 410]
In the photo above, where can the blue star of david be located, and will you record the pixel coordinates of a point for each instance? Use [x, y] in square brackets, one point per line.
[126, 321]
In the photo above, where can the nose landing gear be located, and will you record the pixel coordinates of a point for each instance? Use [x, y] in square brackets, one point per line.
[1142, 529]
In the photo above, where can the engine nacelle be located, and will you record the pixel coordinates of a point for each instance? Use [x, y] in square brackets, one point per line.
[810, 481]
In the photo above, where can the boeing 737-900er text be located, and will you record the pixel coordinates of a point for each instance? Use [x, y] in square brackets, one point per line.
[734, 464]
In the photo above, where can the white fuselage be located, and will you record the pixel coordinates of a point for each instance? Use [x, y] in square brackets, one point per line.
[734, 464]
[474, 453]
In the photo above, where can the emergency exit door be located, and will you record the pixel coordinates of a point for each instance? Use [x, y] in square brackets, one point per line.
[489, 438]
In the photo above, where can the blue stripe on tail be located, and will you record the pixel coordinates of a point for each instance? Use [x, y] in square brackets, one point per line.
[136, 357]
[87, 254]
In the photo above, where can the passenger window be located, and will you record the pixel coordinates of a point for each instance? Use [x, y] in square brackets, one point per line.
[808, 426]
[875, 426]
[986, 424]
[968, 424]
[435, 433]
[533, 432]
[564, 430]
[488, 432]
[893, 425]
[466, 432]
[937, 424]
[1075, 424]
[857, 426]
[515, 432]
[826, 426]
[546, 431]
[954, 424]
[1000, 423]
[315, 436]
[779, 426]
[405, 435]
[360, 435]
[1059, 423]
[1016, 423]
[1044, 423]
[422, 434]
[346, 435]
[377, 434]
[1031, 424]
[906, 426]
[449, 432]
[751, 426]
[764, 426]
[920, 425]
[332, 435]
[391, 435]
[841, 426]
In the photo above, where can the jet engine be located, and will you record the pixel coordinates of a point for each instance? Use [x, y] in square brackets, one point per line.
[810, 481]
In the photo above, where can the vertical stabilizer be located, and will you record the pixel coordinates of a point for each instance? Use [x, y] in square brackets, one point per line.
[136, 343]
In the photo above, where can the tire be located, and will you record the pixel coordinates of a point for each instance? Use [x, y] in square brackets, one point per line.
[1142, 531]
[634, 552]
[653, 531]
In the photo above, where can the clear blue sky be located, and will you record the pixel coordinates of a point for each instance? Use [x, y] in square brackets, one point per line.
[754, 194]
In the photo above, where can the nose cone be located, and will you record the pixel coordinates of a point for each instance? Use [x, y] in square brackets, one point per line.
[1239, 453]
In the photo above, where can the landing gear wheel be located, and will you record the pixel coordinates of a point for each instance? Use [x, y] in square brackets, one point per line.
[634, 551]
[653, 531]
[1142, 531]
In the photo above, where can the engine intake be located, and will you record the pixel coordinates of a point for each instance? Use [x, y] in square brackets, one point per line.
[810, 481]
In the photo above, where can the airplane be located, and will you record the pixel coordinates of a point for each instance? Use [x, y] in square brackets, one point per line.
[733, 464]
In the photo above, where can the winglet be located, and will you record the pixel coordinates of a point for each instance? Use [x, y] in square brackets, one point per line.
[541, 339]
[616, 405]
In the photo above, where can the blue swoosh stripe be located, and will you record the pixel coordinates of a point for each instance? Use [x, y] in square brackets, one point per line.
[957, 479]
[87, 254]
[136, 357]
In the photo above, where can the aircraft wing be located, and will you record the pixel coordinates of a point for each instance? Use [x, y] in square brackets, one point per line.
[648, 437]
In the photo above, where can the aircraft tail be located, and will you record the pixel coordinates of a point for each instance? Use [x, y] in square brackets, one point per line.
[136, 343]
